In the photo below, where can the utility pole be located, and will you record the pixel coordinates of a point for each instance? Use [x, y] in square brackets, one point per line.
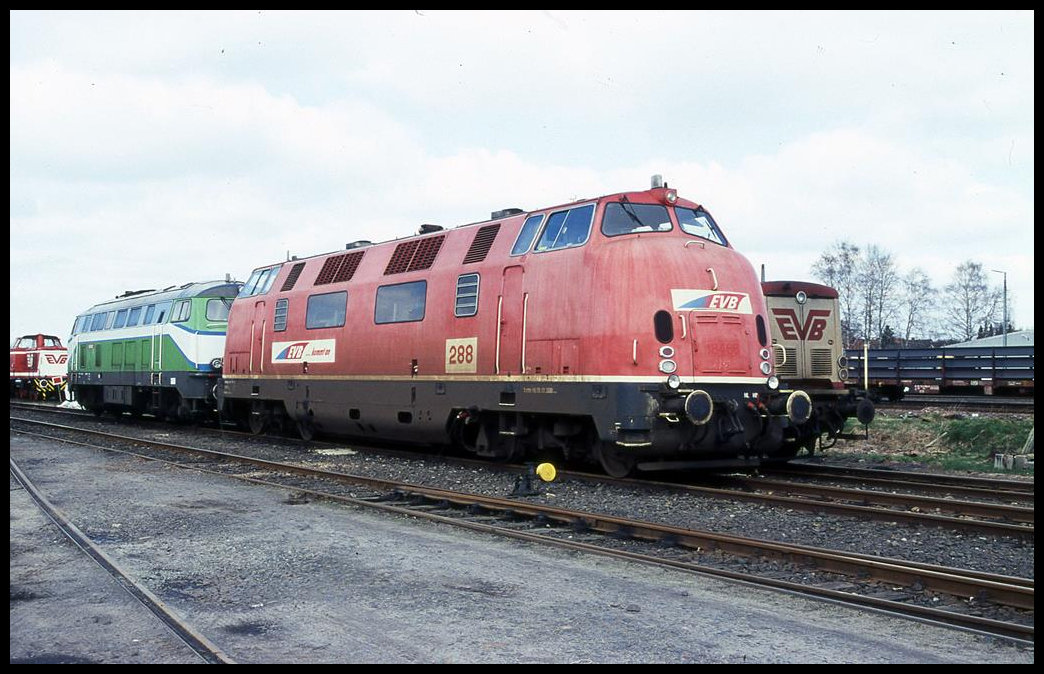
[1004, 326]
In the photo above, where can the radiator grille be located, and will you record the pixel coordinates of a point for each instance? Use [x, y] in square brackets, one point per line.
[339, 269]
[822, 361]
[789, 368]
[414, 255]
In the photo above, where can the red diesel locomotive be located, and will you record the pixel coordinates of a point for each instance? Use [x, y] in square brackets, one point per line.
[39, 368]
[623, 329]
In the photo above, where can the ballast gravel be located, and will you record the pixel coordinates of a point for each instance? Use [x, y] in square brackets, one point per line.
[275, 579]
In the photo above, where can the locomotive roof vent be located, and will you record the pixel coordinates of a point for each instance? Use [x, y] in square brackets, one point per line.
[357, 244]
[428, 229]
[503, 213]
[128, 293]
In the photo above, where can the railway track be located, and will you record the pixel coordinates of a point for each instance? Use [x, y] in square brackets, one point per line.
[906, 588]
[882, 495]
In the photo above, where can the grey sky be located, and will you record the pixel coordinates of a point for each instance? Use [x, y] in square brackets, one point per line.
[156, 148]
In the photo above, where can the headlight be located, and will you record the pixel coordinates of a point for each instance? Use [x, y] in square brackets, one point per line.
[842, 361]
[666, 352]
[764, 353]
[801, 297]
[668, 366]
[673, 381]
[842, 374]
[773, 382]
[216, 363]
[766, 367]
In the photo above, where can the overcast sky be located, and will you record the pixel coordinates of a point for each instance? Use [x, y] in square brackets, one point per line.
[150, 149]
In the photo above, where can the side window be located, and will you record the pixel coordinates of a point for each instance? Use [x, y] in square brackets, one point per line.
[162, 310]
[527, 234]
[121, 319]
[150, 312]
[327, 310]
[182, 311]
[566, 229]
[132, 318]
[282, 307]
[401, 303]
[467, 295]
[98, 322]
[109, 317]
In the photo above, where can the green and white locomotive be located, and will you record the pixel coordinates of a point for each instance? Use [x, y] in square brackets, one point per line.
[154, 351]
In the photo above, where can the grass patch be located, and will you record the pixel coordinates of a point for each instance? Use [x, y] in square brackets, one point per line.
[944, 440]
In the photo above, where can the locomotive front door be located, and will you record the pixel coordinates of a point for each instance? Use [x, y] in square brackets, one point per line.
[719, 344]
[511, 315]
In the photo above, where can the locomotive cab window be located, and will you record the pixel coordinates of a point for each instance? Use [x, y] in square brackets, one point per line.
[401, 303]
[259, 282]
[217, 309]
[566, 229]
[527, 234]
[181, 312]
[327, 310]
[699, 222]
[627, 218]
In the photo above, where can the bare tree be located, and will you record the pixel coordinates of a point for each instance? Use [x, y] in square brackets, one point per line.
[969, 301]
[880, 281]
[837, 268]
[917, 304]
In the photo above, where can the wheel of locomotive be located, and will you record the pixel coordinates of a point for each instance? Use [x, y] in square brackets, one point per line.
[258, 419]
[615, 462]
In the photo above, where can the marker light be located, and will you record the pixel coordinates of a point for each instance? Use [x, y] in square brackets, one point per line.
[668, 366]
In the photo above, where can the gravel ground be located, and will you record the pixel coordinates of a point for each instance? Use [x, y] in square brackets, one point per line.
[271, 578]
[1004, 555]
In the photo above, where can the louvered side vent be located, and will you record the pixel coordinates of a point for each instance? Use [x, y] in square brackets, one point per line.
[483, 242]
[822, 361]
[330, 267]
[348, 266]
[426, 252]
[291, 278]
[400, 259]
[414, 255]
[789, 368]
